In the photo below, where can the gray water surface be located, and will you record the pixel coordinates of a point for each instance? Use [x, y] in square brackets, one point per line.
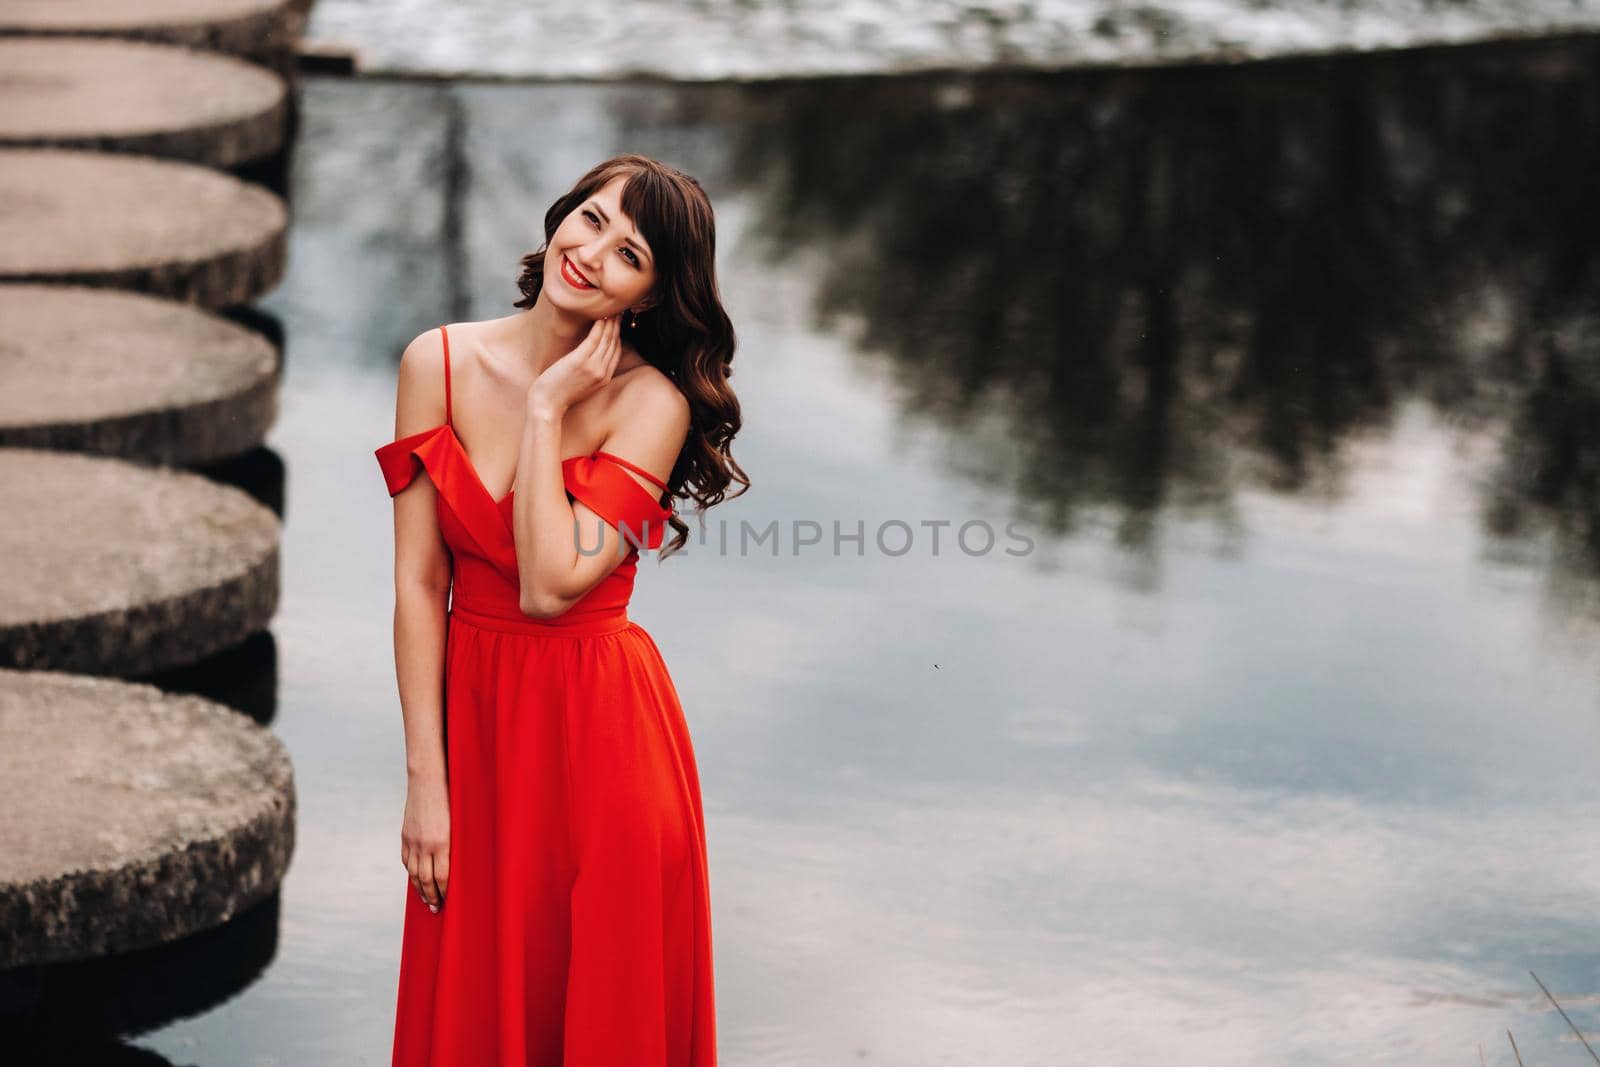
[759, 39]
[1277, 746]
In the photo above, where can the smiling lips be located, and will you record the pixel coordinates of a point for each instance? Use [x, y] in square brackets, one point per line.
[574, 279]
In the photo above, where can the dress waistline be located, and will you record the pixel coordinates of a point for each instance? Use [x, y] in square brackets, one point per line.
[590, 625]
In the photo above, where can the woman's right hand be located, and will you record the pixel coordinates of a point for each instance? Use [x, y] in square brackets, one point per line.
[581, 371]
[425, 838]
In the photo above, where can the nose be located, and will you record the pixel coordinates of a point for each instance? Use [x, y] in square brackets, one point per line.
[589, 255]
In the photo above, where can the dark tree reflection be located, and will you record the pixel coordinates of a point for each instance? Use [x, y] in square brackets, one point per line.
[1169, 285]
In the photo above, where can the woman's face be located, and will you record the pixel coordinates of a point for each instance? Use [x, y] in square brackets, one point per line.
[597, 263]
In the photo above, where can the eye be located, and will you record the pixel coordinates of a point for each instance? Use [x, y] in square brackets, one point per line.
[633, 257]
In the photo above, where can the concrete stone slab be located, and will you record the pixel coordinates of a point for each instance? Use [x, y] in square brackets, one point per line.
[133, 816]
[112, 567]
[123, 374]
[130, 96]
[254, 28]
[154, 225]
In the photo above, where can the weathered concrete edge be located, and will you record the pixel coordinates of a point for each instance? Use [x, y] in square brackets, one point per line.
[177, 436]
[238, 276]
[97, 912]
[220, 144]
[150, 637]
[257, 35]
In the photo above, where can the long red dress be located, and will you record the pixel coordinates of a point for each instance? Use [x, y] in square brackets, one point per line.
[576, 927]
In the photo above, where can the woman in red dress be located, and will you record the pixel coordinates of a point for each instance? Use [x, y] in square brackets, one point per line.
[558, 910]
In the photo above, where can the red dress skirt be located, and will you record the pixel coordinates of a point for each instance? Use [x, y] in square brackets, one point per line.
[576, 927]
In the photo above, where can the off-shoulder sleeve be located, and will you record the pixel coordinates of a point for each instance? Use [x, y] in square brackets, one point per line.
[399, 460]
[610, 492]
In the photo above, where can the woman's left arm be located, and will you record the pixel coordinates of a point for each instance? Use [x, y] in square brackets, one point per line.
[649, 422]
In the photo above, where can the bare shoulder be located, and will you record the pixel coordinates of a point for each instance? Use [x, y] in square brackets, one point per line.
[648, 396]
[419, 402]
[649, 422]
[488, 332]
[423, 354]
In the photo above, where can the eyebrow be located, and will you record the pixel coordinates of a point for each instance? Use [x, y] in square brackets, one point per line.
[602, 212]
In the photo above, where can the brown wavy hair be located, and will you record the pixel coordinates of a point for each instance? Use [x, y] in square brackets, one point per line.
[684, 333]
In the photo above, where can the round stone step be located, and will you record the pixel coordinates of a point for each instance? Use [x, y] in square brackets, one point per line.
[133, 816]
[112, 567]
[131, 222]
[123, 374]
[130, 96]
[254, 28]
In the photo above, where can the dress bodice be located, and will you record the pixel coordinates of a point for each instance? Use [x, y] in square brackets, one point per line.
[477, 528]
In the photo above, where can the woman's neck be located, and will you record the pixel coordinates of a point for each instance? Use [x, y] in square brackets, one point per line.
[545, 334]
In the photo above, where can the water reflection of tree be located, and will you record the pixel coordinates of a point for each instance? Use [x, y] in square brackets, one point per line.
[1176, 283]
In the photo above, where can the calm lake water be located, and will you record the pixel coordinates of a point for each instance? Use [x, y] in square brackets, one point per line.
[1277, 745]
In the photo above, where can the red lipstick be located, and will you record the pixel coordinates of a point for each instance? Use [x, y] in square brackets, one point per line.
[574, 279]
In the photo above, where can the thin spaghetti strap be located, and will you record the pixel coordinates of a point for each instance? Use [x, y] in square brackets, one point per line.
[447, 419]
[633, 467]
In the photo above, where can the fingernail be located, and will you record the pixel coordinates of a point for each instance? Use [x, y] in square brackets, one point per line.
[434, 908]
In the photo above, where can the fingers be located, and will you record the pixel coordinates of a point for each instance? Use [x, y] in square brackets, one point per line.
[428, 871]
[414, 870]
[606, 336]
[598, 339]
[441, 872]
[614, 348]
[592, 340]
[430, 886]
